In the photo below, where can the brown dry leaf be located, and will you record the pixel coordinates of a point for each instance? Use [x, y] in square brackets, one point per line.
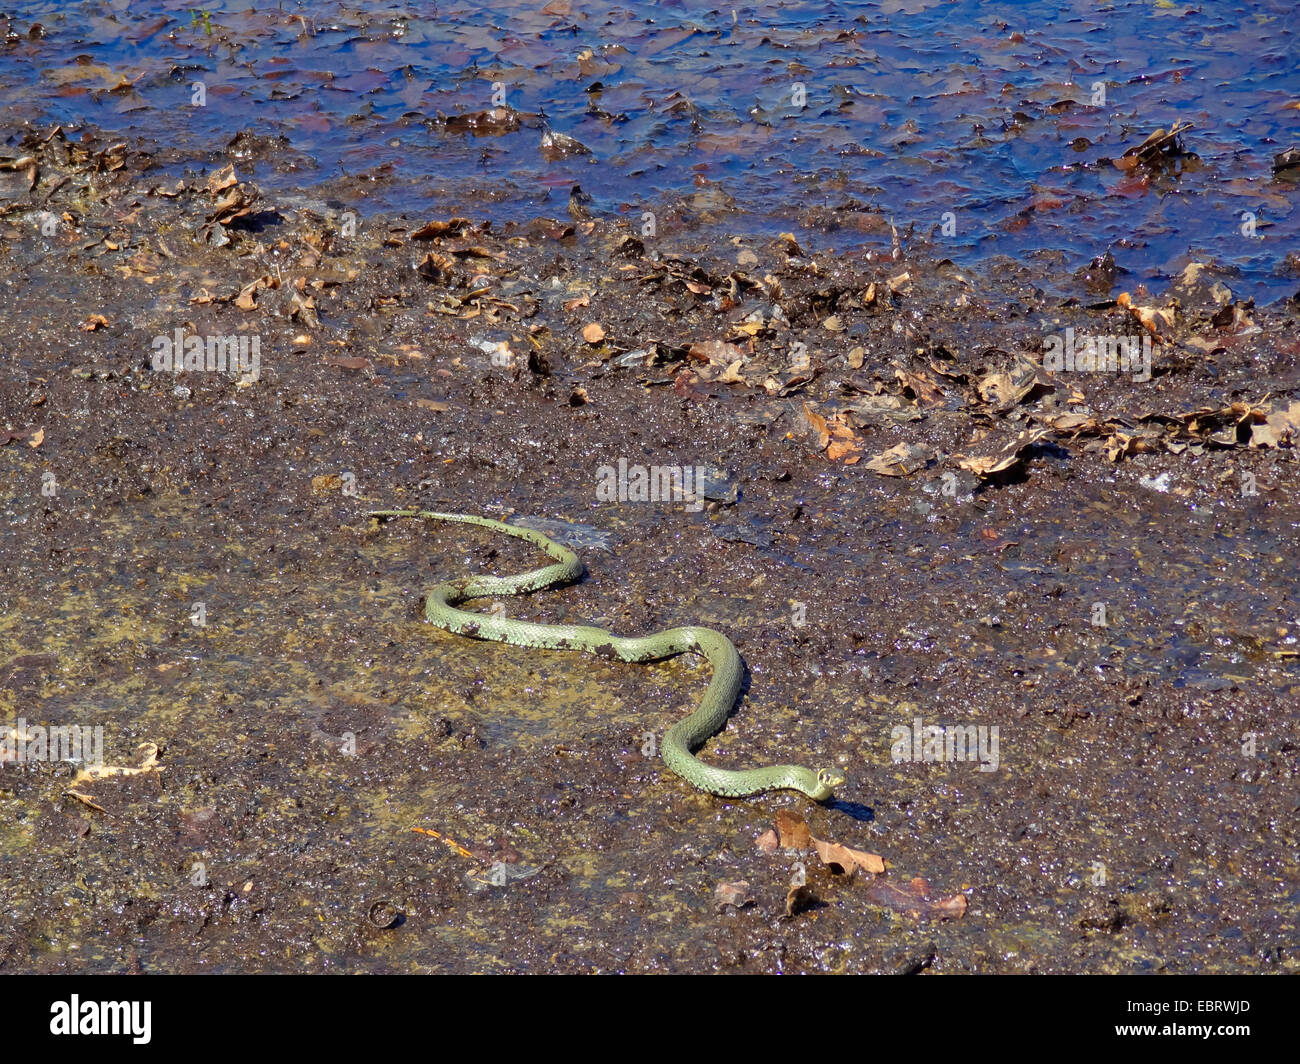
[85, 799]
[1151, 318]
[439, 269]
[921, 386]
[1234, 317]
[582, 301]
[768, 842]
[303, 308]
[223, 179]
[325, 484]
[819, 426]
[848, 450]
[1008, 456]
[247, 298]
[836, 436]
[353, 362]
[1002, 391]
[36, 438]
[792, 831]
[915, 899]
[736, 894]
[715, 352]
[434, 230]
[1279, 428]
[899, 282]
[433, 404]
[27, 435]
[848, 858]
[873, 409]
[856, 357]
[1158, 143]
[900, 461]
[593, 333]
[95, 321]
[1124, 445]
[1075, 423]
[952, 907]
[799, 899]
[732, 374]
[146, 761]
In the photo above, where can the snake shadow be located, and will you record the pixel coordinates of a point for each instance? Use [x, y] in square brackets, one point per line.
[856, 810]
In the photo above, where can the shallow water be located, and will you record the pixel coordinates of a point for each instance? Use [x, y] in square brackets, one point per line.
[988, 130]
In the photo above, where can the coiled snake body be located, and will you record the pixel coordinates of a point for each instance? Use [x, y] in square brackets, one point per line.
[684, 737]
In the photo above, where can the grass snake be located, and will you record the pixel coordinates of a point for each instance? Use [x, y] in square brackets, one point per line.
[684, 737]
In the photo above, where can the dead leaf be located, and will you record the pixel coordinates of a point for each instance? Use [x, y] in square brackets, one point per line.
[900, 461]
[560, 145]
[435, 230]
[95, 321]
[799, 899]
[1010, 455]
[303, 308]
[922, 387]
[593, 333]
[85, 799]
[768, 842]
[732, 374]
[1002, 390]
[247, 298]
[223, 179]
[1161, 142]
[832, 853]
[836, 436]
[792, 831]
[819, 426]
[736, 894]
[582, 301]
[1279, 428]
[437, 268]
[146, 761]
[1151, 318]
[915, 900]
[715, 352]
[26, 435]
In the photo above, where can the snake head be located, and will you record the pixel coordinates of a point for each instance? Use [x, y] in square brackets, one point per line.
[827, 781]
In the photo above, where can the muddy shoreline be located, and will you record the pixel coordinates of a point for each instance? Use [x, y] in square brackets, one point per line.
[340, 788]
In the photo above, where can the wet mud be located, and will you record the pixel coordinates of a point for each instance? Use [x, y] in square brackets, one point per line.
[1100, 568]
